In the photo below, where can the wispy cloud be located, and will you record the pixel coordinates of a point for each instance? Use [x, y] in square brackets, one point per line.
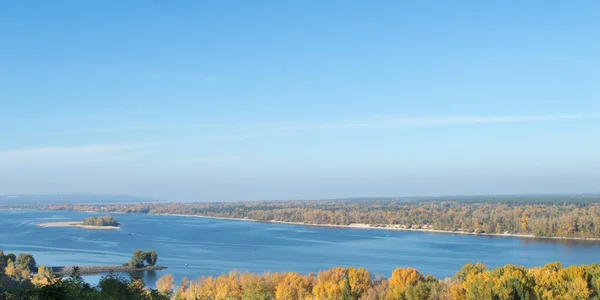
[62, 155]
[211, 159]
[482, 120]
[243, 131]
[402, 122]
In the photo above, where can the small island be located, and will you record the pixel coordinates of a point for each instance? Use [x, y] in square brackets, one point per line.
[140, 261]
[101, 223]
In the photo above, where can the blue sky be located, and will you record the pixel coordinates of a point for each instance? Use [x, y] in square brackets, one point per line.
[247, 100]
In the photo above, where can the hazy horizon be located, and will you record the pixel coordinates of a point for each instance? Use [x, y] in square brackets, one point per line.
[82, 198]
[203, 101]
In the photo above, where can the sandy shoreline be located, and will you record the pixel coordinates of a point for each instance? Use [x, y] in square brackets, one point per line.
[351, 226]
[77, 224]
[390, 227]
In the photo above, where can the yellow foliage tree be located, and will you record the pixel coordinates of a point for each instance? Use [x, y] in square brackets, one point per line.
[401, 279]
[577, 289]
[456, 290]
[180, 293]
[256, 287]
[166, 284]
[11, 271]
[138, 286]
[479, 286]
[43, 276]
[512, 281]
[228, 286]
[329, 284]
[293, 287]
[543, 278]
[204, 288]
[359, 280]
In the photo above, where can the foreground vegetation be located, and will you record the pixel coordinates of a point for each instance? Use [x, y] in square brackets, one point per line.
[571, 217]
[21, 278]
[101, 221]
[471, 282]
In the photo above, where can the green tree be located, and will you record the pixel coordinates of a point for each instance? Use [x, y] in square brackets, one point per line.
[117, 287]
[421, 291]
[347, 293]
[151, 257]
[3, 260]
[516, 289]
[26, 262]
[138, 259]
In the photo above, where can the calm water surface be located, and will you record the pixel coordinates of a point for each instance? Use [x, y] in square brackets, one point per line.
[212, 247]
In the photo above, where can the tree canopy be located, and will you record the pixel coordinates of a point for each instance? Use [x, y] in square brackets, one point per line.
[101, 221]
[471, 282]
[142, 258]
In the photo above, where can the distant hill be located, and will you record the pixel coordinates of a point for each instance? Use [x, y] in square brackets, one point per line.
[72, 199]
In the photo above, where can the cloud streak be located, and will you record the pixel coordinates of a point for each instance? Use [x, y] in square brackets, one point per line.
[239, 131]
[407, 122]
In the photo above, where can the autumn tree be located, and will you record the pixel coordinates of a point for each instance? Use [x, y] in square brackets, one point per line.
[166, 284]
[255, 287]
[11, 270]
[228, 286]
[400, 281]
[329, 284]
[43, 276]
[293, 286]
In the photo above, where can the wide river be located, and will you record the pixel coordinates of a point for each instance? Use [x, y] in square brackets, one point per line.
[212, 247]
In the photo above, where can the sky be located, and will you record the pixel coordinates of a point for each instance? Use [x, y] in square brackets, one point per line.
[263, 100]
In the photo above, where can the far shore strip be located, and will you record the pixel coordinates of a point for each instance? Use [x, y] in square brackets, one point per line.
[77, 224]
[391, 227]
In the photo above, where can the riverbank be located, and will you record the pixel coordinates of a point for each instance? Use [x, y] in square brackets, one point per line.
[76, 224]
[391, 227]
[351, 226]
[95, 270]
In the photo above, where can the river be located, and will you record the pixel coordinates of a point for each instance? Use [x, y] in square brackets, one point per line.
[212, 246]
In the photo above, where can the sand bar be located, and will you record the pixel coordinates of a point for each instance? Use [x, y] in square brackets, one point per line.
[77, 224]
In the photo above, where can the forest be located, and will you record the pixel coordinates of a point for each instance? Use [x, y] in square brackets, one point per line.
[569, 217]
[471, 282]
[101, 221]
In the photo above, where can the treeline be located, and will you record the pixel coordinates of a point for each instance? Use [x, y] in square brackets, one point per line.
[44, 286]
[24, 263]
[471, 282]
[547, 219]
[20, 278]
[101, 221]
